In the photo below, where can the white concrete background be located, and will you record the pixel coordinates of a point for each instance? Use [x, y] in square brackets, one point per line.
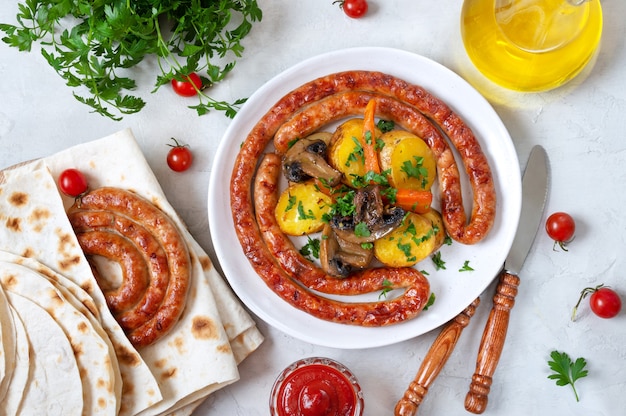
[582, 127]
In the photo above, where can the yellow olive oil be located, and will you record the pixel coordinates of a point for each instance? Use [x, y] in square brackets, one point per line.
[531, 45]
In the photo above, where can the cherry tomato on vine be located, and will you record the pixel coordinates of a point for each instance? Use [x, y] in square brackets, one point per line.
[72, 182]
[560, 227]
[353, 8]
[179, 158]
[186, 88]
[604, 301]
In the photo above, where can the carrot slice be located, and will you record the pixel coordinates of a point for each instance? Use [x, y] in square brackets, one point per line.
[368, 141]
[414, 200]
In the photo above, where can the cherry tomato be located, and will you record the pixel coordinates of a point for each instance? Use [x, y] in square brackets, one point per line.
[72, 182]
[604, 301]
[186, 88]
[560, 227]
[179, 158]
[354, 8]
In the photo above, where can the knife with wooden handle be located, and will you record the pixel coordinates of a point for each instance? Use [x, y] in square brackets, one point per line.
[534, 194]
[434, 361]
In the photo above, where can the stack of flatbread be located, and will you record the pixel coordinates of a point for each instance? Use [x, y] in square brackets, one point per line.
[61, 350]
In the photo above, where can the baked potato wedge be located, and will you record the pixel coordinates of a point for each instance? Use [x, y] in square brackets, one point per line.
[408, 244]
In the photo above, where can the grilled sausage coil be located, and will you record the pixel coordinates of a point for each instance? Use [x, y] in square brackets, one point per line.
[303, 111]
[154, 259]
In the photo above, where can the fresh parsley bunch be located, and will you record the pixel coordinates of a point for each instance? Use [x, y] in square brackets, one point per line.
[93, 43]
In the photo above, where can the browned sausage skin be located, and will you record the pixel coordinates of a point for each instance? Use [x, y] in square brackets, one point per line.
[146, 310]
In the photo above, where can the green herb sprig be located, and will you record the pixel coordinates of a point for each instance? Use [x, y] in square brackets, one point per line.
[566, 372]
[93, 44]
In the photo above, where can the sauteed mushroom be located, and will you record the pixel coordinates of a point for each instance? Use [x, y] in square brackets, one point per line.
[369, 210]
[339, 257]
[307, 159]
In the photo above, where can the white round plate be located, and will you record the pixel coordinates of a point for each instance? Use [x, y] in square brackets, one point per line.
[454, 289]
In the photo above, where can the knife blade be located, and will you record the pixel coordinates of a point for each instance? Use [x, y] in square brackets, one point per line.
[534, 195]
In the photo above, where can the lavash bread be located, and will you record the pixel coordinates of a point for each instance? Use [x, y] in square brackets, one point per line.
[21, 366]
[94, 354]
[215, 333]
[7, 345]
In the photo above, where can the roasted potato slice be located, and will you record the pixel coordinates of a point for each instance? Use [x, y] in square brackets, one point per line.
[300, 209]
[407, 245]
[409, 160]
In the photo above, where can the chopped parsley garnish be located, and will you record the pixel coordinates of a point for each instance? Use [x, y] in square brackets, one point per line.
[406, 249]
[361, 230]
[466, 267]
[311, 248]
[385, 125]
[417, 170]
[291, 202]
[387, 287]
[431, 301]
[357, 154]
[439, 264]
[304, 215]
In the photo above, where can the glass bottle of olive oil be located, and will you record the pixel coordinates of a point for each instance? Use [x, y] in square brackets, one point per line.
[531, 45]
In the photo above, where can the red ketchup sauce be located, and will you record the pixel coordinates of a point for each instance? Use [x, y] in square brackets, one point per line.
[316, 387]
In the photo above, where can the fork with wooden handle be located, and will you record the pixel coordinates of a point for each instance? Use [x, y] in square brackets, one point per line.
[492, 343]
[434, 361]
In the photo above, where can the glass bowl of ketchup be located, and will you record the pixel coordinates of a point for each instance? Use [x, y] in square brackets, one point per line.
[316, 386]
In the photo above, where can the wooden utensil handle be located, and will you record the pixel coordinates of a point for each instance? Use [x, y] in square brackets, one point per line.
[434, 361]
[492, 343]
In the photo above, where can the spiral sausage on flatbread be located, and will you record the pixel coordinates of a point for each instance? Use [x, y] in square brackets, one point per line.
[154, 258]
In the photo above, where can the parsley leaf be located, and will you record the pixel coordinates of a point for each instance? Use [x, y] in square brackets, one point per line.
[431, 301]
[387, 287]
[361, 230]
[439, 263]
[311, 248]
[385, 125]
[302, 215]
[466, 267]
[566, 372]
[417, 170]
[291, 202]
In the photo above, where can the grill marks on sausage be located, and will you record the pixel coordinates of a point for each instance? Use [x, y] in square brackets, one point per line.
[153, 256]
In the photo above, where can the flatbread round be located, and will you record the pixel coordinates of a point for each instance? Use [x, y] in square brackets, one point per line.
[7, 345]
[79, 299]
[92, 353]
[21, 368]
[52, 360]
